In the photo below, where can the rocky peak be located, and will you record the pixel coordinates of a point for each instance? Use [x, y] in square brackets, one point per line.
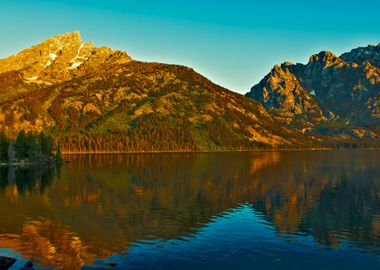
[277, 70]
[324, 58]
[329, 93]
[59, 58]
[42, 53]
[281, 70]
[287, 64]
[282, 93]
[68, 41]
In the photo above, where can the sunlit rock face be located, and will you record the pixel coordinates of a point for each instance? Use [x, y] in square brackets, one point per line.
[329, 95]
[60, 58]
[282, 93]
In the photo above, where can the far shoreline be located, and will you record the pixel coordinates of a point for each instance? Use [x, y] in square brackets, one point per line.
[211, 151]
[28, 164]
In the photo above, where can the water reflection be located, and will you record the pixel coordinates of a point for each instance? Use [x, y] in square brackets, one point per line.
[27, 179]
[97, 206]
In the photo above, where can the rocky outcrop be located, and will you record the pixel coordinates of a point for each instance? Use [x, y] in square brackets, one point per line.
[329, 95]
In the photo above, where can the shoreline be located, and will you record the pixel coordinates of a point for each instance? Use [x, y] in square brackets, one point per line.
[212, 151]
[16, 164]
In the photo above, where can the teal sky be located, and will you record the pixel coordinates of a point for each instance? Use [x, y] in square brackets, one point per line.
[234, 43]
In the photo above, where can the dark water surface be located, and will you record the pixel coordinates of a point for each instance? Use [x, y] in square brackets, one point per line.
[267, 210]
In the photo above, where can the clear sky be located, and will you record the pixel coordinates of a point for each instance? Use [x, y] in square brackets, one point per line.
[234, 43]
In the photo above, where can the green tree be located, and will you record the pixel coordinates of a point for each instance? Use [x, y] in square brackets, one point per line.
[21, 145]
[3, 147]
[11, 152]
[58, 154]
[34, 150]
[47, 144]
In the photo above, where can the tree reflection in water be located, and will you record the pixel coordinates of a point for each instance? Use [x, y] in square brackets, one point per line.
[97, 206]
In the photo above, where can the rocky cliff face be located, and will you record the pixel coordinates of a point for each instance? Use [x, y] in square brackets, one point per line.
[283, 95]
[330, 95]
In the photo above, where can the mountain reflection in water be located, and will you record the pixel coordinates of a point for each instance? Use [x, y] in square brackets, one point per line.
[99, 206]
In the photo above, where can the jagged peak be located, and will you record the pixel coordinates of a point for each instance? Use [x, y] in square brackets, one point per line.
[75, 35]
[288, 64]
[276, 71]
[53, 45]
[281, 69]
[277, 74]
[325, 57]
[60, 56]
[58, 42]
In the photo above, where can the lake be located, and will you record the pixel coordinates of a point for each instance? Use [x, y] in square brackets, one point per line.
[246, 210]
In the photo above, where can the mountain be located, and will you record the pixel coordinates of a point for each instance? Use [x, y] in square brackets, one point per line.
[330, 95]
[60, 58]
[100, 100]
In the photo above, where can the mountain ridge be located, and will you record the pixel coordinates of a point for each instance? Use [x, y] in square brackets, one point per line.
[330, 95]
[112, 103]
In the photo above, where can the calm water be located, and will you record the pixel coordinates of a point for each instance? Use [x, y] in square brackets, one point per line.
[274, 210]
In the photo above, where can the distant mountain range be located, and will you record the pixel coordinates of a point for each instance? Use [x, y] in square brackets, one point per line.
[333, 96]
[100, 100]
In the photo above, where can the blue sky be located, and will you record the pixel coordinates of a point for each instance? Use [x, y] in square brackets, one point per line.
[234, 43]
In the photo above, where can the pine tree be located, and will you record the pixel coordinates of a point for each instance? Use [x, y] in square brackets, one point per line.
[3, 147]
[11, 152]
[34, 151]
[21, 145]
[58, 154]
[47, 144]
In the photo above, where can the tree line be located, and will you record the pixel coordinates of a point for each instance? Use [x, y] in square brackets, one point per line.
[29, 148]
